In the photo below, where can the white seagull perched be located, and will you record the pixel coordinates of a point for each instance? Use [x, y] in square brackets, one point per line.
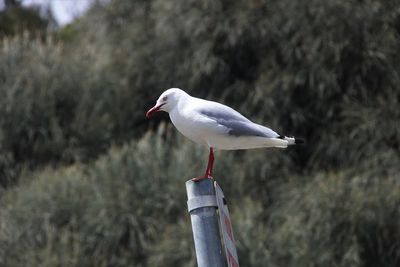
[215, 125]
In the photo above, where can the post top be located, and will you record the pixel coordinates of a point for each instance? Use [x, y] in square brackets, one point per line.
[200, 188]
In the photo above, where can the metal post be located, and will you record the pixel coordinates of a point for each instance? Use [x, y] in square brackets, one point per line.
[202, 208]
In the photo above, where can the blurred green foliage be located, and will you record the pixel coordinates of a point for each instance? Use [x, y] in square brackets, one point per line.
[16, 19]
[86, 180]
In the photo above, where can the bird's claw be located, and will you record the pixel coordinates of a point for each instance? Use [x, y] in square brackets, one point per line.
[197, 179]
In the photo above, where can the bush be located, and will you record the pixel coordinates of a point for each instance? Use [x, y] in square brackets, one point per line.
[336, 220]
[16, 20]
[128, 208]
[108, 213]
[52, 109]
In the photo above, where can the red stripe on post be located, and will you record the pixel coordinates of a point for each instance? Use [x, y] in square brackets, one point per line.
[231, 261]
[228, 227]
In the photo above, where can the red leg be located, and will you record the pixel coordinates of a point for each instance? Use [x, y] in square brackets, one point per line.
[209, 169]
[210, 164]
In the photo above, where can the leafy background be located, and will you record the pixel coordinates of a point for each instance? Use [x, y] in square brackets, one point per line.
[86, 180]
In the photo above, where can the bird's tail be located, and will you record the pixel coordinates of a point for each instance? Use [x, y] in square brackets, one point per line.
[292, 140]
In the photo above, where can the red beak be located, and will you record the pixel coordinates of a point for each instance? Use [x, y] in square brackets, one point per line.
[153, 110]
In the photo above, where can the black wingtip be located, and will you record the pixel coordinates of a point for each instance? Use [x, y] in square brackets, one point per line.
[298, 141]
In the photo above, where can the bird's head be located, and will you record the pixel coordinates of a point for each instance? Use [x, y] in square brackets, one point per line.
[167, 101]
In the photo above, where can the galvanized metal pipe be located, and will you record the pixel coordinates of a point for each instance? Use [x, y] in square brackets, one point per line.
[202, 207]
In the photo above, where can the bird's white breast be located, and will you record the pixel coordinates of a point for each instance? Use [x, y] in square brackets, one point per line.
[186, 123]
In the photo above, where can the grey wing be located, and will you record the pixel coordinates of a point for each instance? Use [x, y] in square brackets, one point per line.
[236, 124]
[248, 129]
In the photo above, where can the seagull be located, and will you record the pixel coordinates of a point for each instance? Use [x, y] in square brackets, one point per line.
[215, 125]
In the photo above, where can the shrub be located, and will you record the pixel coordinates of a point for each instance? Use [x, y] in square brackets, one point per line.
[336, 220]
[128, 208]
[108, 213]
[52, 110]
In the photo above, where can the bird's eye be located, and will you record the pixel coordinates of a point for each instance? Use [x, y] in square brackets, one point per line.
[165, 98]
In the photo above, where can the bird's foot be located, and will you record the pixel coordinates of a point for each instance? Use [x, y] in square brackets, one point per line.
[197, 179]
